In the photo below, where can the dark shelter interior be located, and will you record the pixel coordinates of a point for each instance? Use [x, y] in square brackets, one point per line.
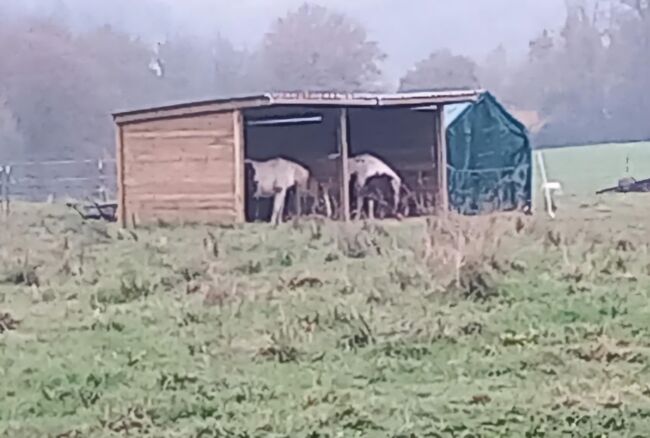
[404, 138]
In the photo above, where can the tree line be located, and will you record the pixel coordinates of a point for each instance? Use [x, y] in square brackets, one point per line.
[587, 81]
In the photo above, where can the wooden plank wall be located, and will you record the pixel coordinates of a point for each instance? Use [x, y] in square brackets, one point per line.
[181, 170]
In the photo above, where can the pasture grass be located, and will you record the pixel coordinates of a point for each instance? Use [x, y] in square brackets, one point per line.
[529, 328]
[508, 326]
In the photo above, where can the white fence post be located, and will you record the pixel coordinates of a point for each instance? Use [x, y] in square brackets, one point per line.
[102, 186]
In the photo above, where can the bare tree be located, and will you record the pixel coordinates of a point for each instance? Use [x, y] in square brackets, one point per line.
[442, 69]
[63, 87]
[641, 7]
[11, 139]
[578, 78]
[198, 69]
[42, 73]
[494, 71]
[315, 48]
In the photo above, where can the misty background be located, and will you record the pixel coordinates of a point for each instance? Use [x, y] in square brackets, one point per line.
[575, 71]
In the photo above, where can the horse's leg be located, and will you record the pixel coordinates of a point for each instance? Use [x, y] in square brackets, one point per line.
[359, 205]
[276, 201]
[328, 204]
[396, 187]
[283, 200]
[299, 194]
[323, 195]
[278, 206]
[360, 211]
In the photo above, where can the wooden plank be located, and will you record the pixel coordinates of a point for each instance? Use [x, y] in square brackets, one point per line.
[150, 163]
[121, 194]
[184, 204]
[151, 159]
[440, 160]
[153, 162]
[175, 142]
[343, 162]
[175, 134]
[168, 160]
[156, 183]
[204, 169]
[181, 197]
[180, 217]
[189, 123]
[158, 179]
[184, 207]
[209, 213]
[176, 151]
[187, 210]
[177, 148]
[238, 165]
[198, 187]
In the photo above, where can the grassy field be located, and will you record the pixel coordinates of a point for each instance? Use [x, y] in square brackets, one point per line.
[509, 326]
[583, 170]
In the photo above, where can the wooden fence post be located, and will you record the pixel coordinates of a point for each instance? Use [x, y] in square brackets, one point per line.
[2, 187]
[6, 177]
[102, 186]
[442, 184]
[344, 173]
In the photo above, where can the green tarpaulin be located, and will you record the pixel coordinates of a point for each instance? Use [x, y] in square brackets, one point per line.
[489, 158]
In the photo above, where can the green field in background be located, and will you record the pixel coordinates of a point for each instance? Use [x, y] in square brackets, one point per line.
[583, 170]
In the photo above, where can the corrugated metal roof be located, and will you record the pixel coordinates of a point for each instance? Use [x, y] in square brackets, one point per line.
[301, 98]
[371, 99]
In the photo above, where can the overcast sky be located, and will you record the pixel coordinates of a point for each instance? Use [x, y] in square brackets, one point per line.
[407, 30]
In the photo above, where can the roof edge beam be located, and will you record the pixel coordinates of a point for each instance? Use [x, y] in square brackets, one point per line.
[188, 110]
[409, 99]
[314, 99]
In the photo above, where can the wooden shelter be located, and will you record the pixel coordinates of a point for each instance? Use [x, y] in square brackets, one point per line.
[185, 162]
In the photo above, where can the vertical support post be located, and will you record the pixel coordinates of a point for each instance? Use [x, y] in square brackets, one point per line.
[344, 172]
[238, 150]
[440, 160]
[119, 160]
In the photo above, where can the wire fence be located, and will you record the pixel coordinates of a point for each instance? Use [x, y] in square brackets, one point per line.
[41, 181]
